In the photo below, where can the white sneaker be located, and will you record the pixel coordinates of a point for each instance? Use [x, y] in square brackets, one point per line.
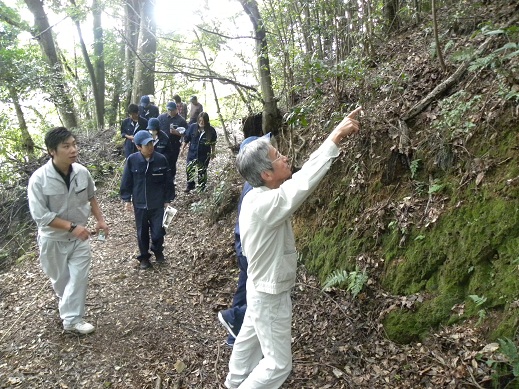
[82, 327]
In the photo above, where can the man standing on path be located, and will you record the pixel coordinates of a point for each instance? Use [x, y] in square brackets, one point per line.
[181, 106]
[146, 109]
[148, 185]
[130, 126]
[61, 197]
[161, 142]
[195, 109]
[232, 318]
[262, 355]
[169, 124]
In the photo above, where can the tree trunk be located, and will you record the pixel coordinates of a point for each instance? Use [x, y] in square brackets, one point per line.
[144, 74]
[27, 141]
[390, 10]
[99, 61]
[59, 93]
[98, 100]
[271, 117]
[218, 111]
[436, 38]
[131, 33]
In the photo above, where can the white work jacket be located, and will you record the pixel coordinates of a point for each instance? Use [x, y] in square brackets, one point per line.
[265, 223]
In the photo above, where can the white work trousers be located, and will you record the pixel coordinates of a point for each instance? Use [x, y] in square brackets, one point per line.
[262, 353]
[67, 265]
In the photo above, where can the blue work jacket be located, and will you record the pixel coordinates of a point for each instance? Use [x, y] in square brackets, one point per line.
[128, 127]
[165, 121]
[163, 145]
[148, 184]
[151, 111]
[200, 142]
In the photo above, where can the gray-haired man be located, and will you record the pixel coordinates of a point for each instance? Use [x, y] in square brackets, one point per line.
[262, 355]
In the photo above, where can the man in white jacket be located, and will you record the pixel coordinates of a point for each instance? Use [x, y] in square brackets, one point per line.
[262, 355]
[61, 197]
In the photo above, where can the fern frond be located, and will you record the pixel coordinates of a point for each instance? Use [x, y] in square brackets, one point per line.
[337, 277]
[357, 280]
[354, 280]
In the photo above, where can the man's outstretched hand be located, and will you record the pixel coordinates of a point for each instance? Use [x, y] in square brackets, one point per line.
[348, 126]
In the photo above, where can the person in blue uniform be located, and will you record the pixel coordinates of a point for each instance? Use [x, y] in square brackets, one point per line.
[130, 126]
[146, 109]
[147, 184]
[201, 139]
[161, 142]
[170, 122]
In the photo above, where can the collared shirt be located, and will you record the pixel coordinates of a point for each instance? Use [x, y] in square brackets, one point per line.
[265, 223]
[49, 198]
[165, 121]
[66, 177]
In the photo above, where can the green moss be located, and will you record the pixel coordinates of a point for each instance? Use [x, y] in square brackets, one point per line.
[473, 248]
[507, 327]
[405, 326]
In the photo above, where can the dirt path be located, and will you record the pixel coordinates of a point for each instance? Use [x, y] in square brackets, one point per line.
[159, 328]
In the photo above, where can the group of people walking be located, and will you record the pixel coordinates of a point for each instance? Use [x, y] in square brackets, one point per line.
[62, 195]
[170, 130]
[152, 150]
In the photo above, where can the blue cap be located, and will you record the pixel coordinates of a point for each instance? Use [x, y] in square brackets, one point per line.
[153, 124]
[250, 139]
[171, 106]
[142, 138]
[145, 100]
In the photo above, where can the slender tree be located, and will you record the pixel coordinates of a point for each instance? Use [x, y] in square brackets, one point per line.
[99, 58]
[436, 38]
[131, 36]
[146, 50]
[59, 91]
[98, 99]
[19, 75]
[211, 81]
[271, 116]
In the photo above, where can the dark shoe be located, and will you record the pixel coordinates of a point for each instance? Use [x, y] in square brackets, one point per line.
[225, 319]
[230, 341]
[160, 258]
[145, 264]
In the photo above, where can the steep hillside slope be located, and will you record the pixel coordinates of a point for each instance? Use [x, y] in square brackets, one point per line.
[427, 198]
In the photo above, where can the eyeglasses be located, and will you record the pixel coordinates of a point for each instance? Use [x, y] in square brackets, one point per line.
[278, 156]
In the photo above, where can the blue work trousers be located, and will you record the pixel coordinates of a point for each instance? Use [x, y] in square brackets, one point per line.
[239, 301]
[149, 220]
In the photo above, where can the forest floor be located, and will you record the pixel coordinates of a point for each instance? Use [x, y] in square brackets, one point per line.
[159, 329]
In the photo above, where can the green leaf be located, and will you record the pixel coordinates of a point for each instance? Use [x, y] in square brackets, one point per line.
[495, 32]
[478, 300]
[435, 188]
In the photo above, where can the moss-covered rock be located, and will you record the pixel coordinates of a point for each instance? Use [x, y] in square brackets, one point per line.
[473, 249]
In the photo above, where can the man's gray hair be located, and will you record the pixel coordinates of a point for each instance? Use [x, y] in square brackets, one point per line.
[254, 160]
